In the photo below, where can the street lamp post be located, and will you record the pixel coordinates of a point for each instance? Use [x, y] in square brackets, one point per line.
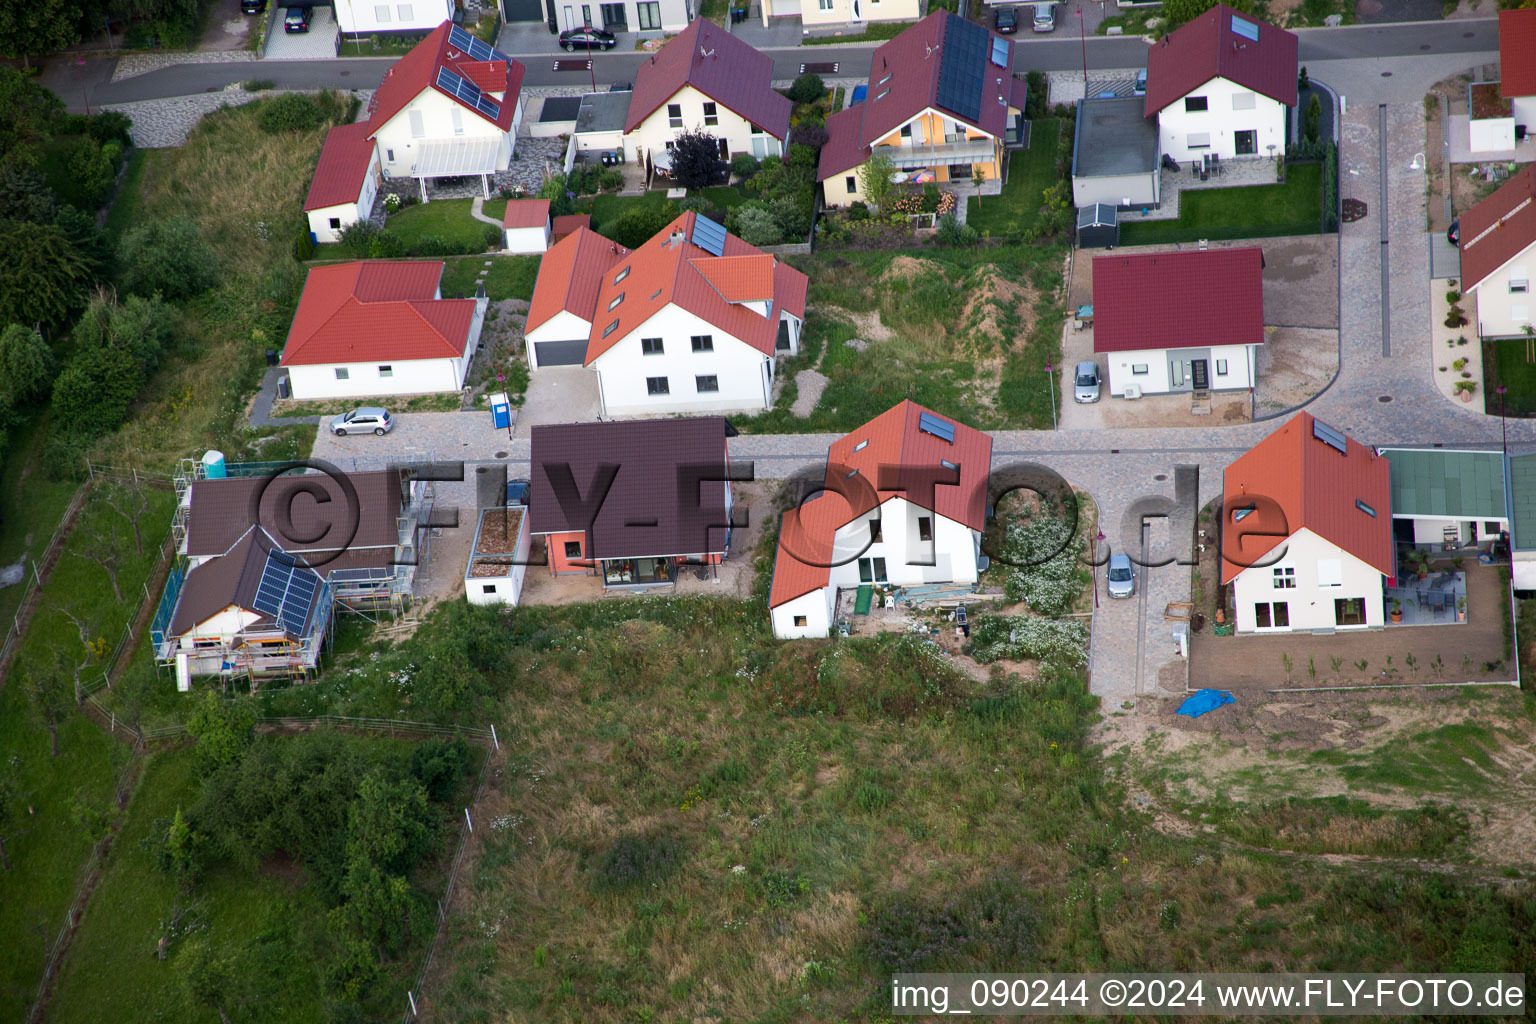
[1051, 393]
[1082, 33]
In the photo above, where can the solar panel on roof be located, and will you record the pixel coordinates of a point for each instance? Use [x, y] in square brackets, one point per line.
[1333, 438]
[928, 423]
[478, 49]
[458, 86]
[709, 236]
[1000, 52]
[287, 593]
[962, 68]
[1246, 29]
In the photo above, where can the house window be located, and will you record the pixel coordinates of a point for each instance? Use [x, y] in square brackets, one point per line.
[1199, 140]
[418, 125]
[861, 445]
[342, 373]
[457, 115]
[610, 328]
[404, 11]
[1242, 101]
[851, 184]
[386, 370]
[1139, 369]
[882, 81]
[381, 14]
[487, 588]
[823, 5]
[706, 383]
[925, 528]
[657, 386]
[1195, 104]
[649, 15]
[650, 346]
[959, 172]
[1349, 611]
[725, 149]
[1285, 578]
[675, 115]
[335, 223]
[703, 342]
[1330, 572]
[872, 570]
[1363, 507]
[615, 303]
[799, 620]
[1239, 514]
[1221, 367]
[1491, 527]
[1272, 616]
[1518, 283]
[875, 536]
[711, 114]
[573, 549]
[621, 275]
[883, 94]
[906, 131]
[1520, 313]
[389, 156]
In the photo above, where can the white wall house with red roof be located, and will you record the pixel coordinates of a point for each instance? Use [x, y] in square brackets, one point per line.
[345, 184]
[359, 16]
[1498, 256]
[904, 506]
[380, 327]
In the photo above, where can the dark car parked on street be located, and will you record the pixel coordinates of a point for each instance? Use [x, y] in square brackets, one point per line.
[587, 39]
[1006, 20]
[296, 20]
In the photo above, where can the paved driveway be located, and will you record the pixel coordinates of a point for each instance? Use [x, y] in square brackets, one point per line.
[559, 394]
[319, 43]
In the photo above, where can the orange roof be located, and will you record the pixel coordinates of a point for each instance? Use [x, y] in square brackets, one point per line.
[376, 309]
[670, 268]
[890, 456]
[417, 72]
[488, 75]
[526, 213]
[566, 224]
[570, 275]
[1293, 480]
[343, 167]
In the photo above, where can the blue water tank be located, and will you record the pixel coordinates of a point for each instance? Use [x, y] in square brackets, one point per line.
[213, 465]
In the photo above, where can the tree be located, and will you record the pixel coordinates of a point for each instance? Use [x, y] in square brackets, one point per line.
[389, 822]
[44, 277]
[27, 365]
[636, 225]
[43, 26]
[555, 190]
[875, 180]
[696, 160]
[168, 257]
[87, 238]
[91, 395]
[24, 195]
[377, 907]
[978, 178]
[224, 731]
[1314, 114]
[48, 691]
[808, 88]
[756, 225]
[810, 134]
[213, 978]
[92, 167]
[29, 113]
[179, 854]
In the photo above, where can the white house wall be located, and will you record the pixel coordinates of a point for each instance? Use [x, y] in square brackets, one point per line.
[843, 12]
[364, 380]
[817, 609]
[1431, 530]
[653, 134]
[347, 213]
[527, 240]
[953, 552]
[358, 16]
[1121, 365]
[397, 145]
[1524, 111]
[1311, 606]
[674, 15]
[1502, 312]
[1491, 135]
[740, 370]
[1220, 122]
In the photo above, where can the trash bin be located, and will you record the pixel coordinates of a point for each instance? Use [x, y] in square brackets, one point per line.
[271, 357]
[282, 387]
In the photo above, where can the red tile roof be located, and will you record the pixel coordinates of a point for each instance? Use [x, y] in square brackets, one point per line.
[526, 213]
[570, 276]
[1517, 53]
[733, 73]
[666, 270]
[1309, 485]
[746, 278]
[343, 168]
[894, 439]
[1499, 228]
[904, 82]
[1163, 300]
[1207, 48]
[376, 310]
[416, 72]
[567, 224]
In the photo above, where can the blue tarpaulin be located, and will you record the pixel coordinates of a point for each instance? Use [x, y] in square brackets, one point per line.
[1205, 700]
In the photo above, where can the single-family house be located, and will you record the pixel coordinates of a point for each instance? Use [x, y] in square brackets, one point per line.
[345, 184]
[372, 17]
[706, 79]
[903, 504]
[1498, 253]
[451, 107]
[695, 320]
[380, 327]
[941, 99]
[1517, 66]
[1116, 154]
[1157, 330]
[824, 15]
[1306, 531]
[526, 224]
[631, 503]
[648, 19]
[1444, 498]
[1221, 85]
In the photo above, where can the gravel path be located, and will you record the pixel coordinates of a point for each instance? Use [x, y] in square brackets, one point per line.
[135, 64]
[163, 124]
[809, 384]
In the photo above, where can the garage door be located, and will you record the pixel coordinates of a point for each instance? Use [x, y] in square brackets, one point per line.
[560, 353]
[523, 10]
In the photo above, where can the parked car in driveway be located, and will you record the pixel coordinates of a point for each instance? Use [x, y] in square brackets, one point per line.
[296, 20]
[1006, 20]
[1121, 580]
[587, 39]
[362, 420]
[252, 6]
[1085, 382]
[1045, 17]
[1453, 233]
[1141, 82]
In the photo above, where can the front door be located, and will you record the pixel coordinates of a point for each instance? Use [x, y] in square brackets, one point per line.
[1199, 375]
[1349, 611]
[586, 15]
[1247, 142]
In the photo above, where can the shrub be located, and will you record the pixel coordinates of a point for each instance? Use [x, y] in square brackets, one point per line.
[793, 218]
[92, 166]
[434, 245]
[991, 923]
[111, 126]
[811, 135]
[385, 245]
[756, 225]
[995, 637]
[635, 226]
[858, 210]
[304, 246]
[493, 237]
[610, 179]
[291, 112]
[258, 85]
[1049, 577]
[439, 764]
[802, 156]
[952, 232]
[807, 88]
[744, 166]
[636, 860]
[168, 257]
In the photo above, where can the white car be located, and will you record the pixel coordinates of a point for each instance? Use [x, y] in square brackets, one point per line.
[1121, 579]
[362, 421]
[1085, 383]
[1045, 17]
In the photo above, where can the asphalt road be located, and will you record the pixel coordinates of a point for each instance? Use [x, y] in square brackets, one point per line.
[1059, 53]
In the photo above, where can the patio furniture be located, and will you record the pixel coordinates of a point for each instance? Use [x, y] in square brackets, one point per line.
[1436, 600]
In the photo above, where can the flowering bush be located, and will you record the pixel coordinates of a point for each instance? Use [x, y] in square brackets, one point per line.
[993, 637]
[392, 203]
[1051, 579]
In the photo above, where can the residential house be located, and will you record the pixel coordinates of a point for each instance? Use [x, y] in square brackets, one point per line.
[380, 327]
[345, 184]
[1498, 253]
[632, 503]
[450, 107]
[1444, 498]
[695, 320]
[647, 18]
[1158, 331]
[1517, 66]
[903, 505]
[1306, 531]
[941, 98]
[1116, 154]
[1221, 85]
[526, 224]
[371, 17]
[825, 15]
[706, 79]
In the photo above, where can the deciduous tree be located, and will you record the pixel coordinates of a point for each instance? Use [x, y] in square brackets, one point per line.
[38, 27]
[168, 257]
[224, 730]
[46, 683]
[875, 180]
[696, 160]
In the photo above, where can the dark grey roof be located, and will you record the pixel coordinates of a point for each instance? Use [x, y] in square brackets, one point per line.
[221, 511]
[1114, 136]
[603, 112]
[559, 108]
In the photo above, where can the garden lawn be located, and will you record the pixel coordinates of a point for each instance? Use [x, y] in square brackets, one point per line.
[125, 203]
[31, 503]
[607, 207]
[1030, 172]
[508, 277]
[1253, 211]
[447, 219]
[1505, 362]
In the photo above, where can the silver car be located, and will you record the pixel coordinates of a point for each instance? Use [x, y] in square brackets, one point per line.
[1121, 579]
[1045, 17]
[362, 421]
[1085, 382]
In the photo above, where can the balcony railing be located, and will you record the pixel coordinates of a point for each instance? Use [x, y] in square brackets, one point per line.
[964, 152]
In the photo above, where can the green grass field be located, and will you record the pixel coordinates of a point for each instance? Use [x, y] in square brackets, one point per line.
[1030, 172]
[607, 207]
[31, 502]
[510, 277]
[1505, 362]
[1253, 211]
[448, 219]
